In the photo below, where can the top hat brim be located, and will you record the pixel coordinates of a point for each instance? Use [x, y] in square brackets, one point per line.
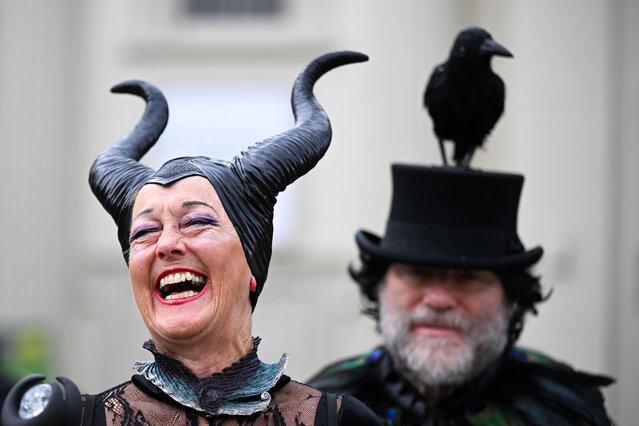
[372, 245]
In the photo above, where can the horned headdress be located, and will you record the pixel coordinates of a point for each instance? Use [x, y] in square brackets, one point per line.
[247, 185]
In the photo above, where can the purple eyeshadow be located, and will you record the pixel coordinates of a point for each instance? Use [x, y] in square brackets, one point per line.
[142, 229]
[201, 218]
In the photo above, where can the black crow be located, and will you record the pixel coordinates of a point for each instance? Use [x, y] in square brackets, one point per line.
[464, 97]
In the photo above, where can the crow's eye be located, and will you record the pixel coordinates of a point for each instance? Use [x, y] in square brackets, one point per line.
[462, 49]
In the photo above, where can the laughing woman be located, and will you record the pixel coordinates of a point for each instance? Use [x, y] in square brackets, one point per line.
[196, 235]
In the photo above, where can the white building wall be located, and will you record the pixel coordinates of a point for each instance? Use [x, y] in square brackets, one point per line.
[569, 127]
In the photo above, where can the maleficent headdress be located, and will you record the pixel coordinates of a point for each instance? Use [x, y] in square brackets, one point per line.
[247, 185]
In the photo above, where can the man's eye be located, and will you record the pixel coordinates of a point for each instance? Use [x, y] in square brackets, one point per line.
[467, 275]
[423, 272]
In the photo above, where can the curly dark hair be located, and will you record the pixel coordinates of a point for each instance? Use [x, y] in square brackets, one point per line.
[522, 288]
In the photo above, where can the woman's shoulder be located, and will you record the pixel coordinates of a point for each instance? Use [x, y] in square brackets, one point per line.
[293, 395]
[132, 403]
[327, 408]
[288, 388]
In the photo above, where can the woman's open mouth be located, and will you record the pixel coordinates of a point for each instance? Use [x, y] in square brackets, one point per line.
[180, 285]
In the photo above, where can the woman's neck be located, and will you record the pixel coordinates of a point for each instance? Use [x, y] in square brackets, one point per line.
[207, 356]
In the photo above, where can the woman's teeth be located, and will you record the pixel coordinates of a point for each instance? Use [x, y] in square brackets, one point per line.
[180, 277]
[181, 285]
[180, 295]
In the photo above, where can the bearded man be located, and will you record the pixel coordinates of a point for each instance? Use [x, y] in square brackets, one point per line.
[449, 285]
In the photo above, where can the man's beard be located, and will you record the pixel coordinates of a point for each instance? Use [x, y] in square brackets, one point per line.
[438, 363]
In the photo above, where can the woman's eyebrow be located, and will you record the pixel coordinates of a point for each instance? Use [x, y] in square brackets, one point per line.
[198, 203]
[143, 212]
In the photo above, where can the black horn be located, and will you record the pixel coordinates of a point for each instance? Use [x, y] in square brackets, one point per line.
[116, 175]
[247, 185]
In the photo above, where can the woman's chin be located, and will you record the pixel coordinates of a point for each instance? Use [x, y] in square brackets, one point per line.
[178, 328]
[180, 321]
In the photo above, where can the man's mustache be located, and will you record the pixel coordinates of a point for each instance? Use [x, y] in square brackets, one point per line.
[425, 316]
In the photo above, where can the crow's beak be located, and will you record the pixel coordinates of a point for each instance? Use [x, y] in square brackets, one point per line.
[491, 47]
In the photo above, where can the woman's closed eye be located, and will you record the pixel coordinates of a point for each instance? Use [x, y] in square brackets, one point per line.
[200, 220]
[141, 231]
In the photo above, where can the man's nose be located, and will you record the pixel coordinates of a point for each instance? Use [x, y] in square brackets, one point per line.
[170, 245]
[438, 295]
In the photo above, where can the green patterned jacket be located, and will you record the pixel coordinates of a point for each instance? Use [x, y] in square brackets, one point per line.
[522, 388]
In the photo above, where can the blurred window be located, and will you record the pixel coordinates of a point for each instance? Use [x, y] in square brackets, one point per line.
[234, 8]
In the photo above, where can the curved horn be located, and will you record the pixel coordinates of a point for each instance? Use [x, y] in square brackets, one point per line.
[151, 125]
[116, 175]
[248, 186]
[293, 153]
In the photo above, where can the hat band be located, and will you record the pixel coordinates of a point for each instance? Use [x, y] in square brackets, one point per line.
[443, 241]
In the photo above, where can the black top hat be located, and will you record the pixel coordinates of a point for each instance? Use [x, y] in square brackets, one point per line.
[452, 217]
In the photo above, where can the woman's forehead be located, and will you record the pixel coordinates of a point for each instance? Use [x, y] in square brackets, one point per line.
[188, 190]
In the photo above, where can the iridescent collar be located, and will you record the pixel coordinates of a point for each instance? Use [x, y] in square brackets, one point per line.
[240, 389]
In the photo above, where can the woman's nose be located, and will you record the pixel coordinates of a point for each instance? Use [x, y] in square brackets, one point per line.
[170, 245]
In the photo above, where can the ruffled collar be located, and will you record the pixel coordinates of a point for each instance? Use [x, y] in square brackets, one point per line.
[240, 389]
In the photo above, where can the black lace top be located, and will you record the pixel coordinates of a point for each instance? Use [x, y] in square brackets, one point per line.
[139, 403]
[248, 392]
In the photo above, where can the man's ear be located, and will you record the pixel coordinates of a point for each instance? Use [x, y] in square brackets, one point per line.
[253, 284]
[379, 287]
